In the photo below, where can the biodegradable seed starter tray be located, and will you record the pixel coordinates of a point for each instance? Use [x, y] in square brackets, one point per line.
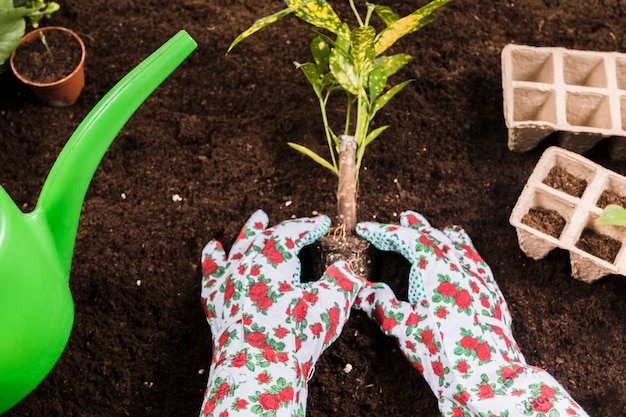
[580, 94]
[580, 213]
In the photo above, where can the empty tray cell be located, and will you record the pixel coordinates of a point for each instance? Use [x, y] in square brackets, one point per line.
[530, 104]
[613, 192]
[588, 110]
[601, 240]
[532, 65]
[567, 174]
[585, 70]
[546, 213]
[622, 111]
[620, 73]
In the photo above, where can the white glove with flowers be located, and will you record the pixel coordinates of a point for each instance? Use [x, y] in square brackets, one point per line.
[456, 327]
[268, 328]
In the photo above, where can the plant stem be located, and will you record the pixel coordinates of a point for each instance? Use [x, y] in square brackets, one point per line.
[42, 37]
[356, 13]
[362, 121]
[330, 136]
[346, 190]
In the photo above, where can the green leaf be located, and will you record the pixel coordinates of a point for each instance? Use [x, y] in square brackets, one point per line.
[377, 81]
[384, 68]
[613, 214]
[310, 72]
[386, 14]
[343, 40]
[12, 28]
[317, 13]
[394, 63]
[260, 24]
[384, 99]
[344, 72]
[362, 39]
[306, 151]
[321, 53]
[408, 24]
[374, 134]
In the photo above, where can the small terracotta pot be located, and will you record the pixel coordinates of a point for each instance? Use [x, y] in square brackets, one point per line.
[60, 93]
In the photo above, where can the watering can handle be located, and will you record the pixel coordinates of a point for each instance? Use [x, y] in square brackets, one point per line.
[62, 195]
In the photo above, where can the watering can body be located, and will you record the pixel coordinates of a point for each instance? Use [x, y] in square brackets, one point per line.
[36, 248]
[37, 310]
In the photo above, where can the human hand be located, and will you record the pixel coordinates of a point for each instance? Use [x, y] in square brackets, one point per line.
[268, 328]
[456, 326]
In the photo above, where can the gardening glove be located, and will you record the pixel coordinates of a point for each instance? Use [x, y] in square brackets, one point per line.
[456, 327]
[268, 328]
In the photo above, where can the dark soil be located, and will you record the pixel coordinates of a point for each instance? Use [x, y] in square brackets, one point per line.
[215, 133]
[559, 179]
[546, 221]
[599, 245]
[41, 64]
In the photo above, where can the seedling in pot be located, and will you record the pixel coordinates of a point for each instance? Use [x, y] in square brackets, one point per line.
[350, 60]
[14, 14]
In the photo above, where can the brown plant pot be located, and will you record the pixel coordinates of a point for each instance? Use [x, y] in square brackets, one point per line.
[65, 89]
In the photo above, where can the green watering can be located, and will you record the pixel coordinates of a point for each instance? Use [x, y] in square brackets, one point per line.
[36, 306]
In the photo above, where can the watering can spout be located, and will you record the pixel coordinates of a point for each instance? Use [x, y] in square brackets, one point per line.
[36, 306]
[62, 195]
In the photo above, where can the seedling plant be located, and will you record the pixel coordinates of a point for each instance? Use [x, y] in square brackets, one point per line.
[14, 15]
[613, 214]
[351, 61]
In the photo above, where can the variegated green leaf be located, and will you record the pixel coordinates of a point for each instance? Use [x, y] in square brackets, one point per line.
[384, 99]
[386, 14]
[410, 23]
[317, 13]
[384, 68]
[377, 82]
[343, 71]
[312, 75]
[392, 64]
[321, 53]
[306, 151]
[362, 39]
[258, 25]
[343, 39]
[374, 134]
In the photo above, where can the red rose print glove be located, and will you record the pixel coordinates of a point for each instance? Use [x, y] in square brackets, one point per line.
[268, 328]
[456, 327]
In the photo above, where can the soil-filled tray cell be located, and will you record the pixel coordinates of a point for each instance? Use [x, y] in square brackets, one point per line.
[567, 174]
[536, 105]
[549, 222]
[532, 65]
[613, 192]
[584, 70]
[601, 240]
[546, 213]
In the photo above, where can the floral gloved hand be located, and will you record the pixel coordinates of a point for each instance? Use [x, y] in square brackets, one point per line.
[456, 327]
[268, 329]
